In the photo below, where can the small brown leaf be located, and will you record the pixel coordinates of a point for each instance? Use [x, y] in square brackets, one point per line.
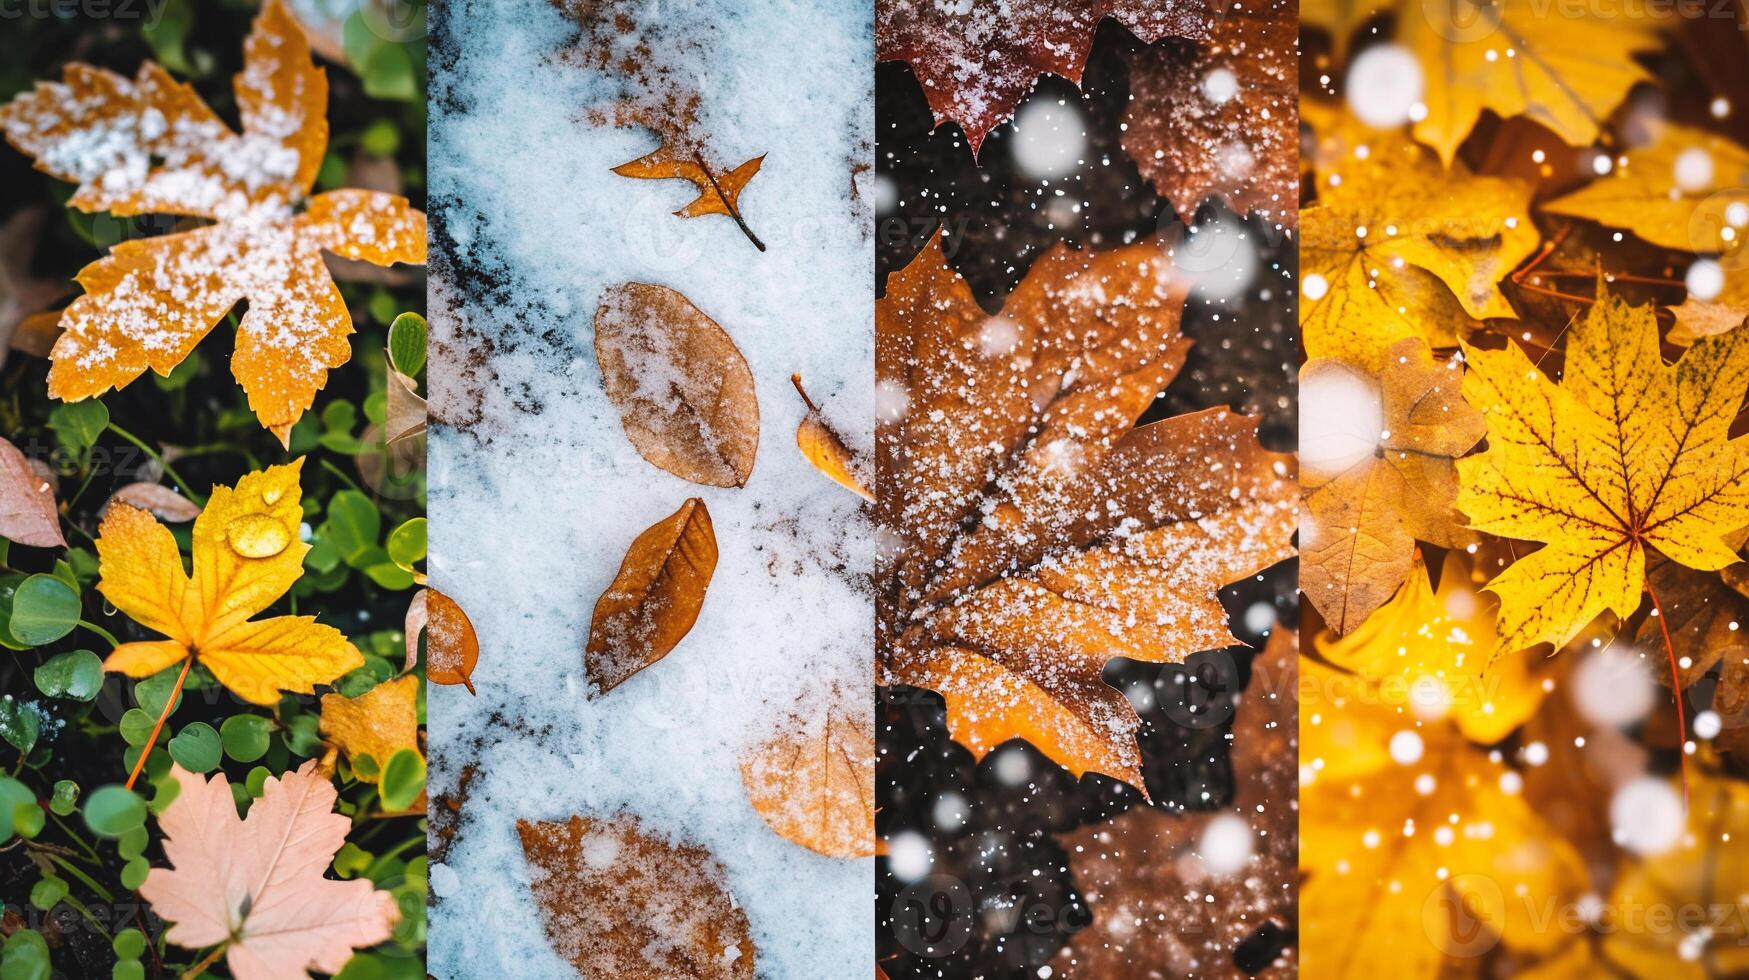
[27, 503]
[161, 500]
[812, 778]
[655, 598]
[451, 647]
[405, 413]
[683, 390]
[823, 447]
[619, 902]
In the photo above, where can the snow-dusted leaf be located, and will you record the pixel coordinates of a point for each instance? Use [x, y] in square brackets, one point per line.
[1037, 532]
[151, 145]
[684, 392]
[162, 501]
[977, 59]
[811, 777]
[1201, 883]
[451, 647]
[619, 901]
[257, 884]
[28, 514]
[655, 598]
[825, 448]
[1217, 119]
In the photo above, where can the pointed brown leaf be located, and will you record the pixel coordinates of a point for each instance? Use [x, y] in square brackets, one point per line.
[161, 500]
[617, 901]
[684, 392]
[27, 503]
[823, 447]
[655, 598]
[812, 777]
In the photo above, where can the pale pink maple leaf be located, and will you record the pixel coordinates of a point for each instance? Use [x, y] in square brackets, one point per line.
[256, 882]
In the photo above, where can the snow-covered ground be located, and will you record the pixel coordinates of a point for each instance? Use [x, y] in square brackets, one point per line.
[536, 492]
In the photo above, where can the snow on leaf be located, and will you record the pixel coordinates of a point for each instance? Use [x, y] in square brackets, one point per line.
[825, 448]
[1403, 247]
[977, 59]
[152, 146]
[619, 901]
[28, 514]
[1370, 495]
[684, 392]
[1216, 119]
[655, 598]
[811, 776]
[257, 885]
[451, 647]
[1036, 531]
[246, 555]
[1679, 191]
[1181, 892]
[1626, 453]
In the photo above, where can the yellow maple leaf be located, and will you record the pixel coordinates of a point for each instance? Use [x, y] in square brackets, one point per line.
[1567, 71]
[1427, 652]
[150, 145]
[1625, 453]
[1399, 246]
[1684, 190]
[1416, 848]
[246, 555]
[377, 723]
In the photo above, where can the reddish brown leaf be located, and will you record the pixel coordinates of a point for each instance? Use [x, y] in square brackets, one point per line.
[684, 392]
[618, 901]
[451, 648]
[27, 503]
[975, 61]
[655, 598]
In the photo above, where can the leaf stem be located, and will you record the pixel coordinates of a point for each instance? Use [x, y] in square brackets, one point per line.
[796, 379]
[205, 961]
[1675, 689]
[163, 716]
[158, 457]
[734, 212]
[100, 631]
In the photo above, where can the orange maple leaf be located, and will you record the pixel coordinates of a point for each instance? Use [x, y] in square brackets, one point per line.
[151, 146]
[256, 884]
[1038, 531]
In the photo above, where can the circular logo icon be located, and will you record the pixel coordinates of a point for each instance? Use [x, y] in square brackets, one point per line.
[934, 916]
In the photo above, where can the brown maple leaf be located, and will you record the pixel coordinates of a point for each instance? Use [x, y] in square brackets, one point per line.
[1215, 119]
[1033, 531]
[976, 60]
[1199, 884]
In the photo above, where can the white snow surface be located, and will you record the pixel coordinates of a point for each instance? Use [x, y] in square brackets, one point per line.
[532, 506]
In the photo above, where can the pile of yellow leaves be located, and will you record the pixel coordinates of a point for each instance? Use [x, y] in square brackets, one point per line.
[1509, 458]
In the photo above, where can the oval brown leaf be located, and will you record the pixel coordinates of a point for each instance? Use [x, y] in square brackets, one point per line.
[821, 445]
[655, 598]
[27, 503]
[619, 902]
[812, 779]
[683, 390]
[162, 501]
[451, 647]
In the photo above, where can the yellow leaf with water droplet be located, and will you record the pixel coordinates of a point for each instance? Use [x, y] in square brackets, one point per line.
[246, 556]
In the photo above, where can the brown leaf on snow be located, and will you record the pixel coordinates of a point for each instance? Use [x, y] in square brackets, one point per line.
[1218, 119]
[1035, 531]
[162, 501]
[1178, 893]
[684, 393]
[823, 447]
[1386, 482]
[28, 514]
[655, 598]
[976, 61]
[451, 647]
[618, 901]
[811, 778]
